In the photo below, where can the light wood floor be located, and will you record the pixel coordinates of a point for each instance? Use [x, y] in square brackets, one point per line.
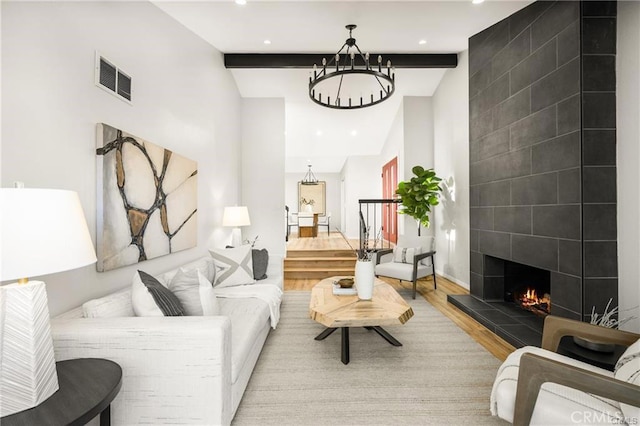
[438, 298]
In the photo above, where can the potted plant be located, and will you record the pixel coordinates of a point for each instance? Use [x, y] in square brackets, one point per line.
[419, 194]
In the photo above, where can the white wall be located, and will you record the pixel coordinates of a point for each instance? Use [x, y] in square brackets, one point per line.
[394, 144]
[183, 99]
[263, 171]
[362, 179]
[451, 148]
[333, 203]
[628, 143]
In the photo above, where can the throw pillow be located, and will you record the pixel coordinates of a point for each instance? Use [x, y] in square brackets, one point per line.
[405, 254]
[114, 305]
[260, 260]
[195, 292]
[151, 299]
[628, 370]
[234, 266]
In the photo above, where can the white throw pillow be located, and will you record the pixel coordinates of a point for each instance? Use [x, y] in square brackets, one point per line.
[234, 266]
[405, 254]
[111, 306]
[195, 292]
[628, 370]
[152, 299]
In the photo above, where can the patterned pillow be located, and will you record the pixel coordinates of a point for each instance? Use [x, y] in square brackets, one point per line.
[405, 254]
[628, 370]
[234, 266]
[151, 299]
[195, 292]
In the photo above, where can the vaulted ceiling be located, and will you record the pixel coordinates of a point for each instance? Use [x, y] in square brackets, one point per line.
[320, 135]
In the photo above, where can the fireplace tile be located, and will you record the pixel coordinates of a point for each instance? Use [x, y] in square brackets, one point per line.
[480, 80]
[516, 51]
[524, 17]
[570, 257]
[560, 153]
[481, 218]
[557, 221]
[495, 193]
[493, 266]
[599, 110]
[535, 128]
[600, 259]
[599, 184]
[600, 8]
[569, 43]
[496, 244]
[471, 302]
[487, 44]
[513, 109]
[512, 164]
[599, 73]
[497, 92]
[474, 196]
[532, 321]
[538, 189]
[598, 292]
[481, 126]
[498, 318]
[535, 251]
[559, 85]
[513, 219]
[600, 222]
[599, 147]
[520, 335]
[511, 309]
[569, 186]
[566, 291]
[569, 115]
[493, 288]
[564, 313]
[491, 145]
[598, 35]
[536, 66]
[474, 240]
[476, 262]
[553, 21]
[476, 285]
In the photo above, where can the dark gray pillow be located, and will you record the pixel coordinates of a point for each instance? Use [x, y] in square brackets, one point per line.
[260, 260]
[166, 301]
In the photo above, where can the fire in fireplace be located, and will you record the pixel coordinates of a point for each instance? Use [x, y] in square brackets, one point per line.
[532, 301]
[528, 287]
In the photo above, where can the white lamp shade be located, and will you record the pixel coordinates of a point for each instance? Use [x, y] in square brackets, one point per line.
[236, 216]
[43, 231]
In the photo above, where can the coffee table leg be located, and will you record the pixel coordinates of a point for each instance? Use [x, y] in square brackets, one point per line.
[327, 332]
[386, 336]
[105, 416]
[345, 345]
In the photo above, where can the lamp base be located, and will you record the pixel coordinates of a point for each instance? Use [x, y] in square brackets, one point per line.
[236, 237]
[28, 375]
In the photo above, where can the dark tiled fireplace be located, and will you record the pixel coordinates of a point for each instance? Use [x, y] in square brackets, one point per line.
[542, 169]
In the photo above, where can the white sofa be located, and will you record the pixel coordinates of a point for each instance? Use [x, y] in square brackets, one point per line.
[176, 370]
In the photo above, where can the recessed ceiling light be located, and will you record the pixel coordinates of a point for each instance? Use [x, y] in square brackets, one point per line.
[477, 1]
[422, 42]
[241, 2]
[354, 132]
[267, 42]
[318, 132]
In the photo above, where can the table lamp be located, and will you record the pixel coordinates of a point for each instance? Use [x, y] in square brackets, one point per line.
[43, 231]
[236, 217]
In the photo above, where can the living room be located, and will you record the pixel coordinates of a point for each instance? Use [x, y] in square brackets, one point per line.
[185, 100]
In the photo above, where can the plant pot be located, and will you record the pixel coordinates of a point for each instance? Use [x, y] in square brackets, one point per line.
[593, 345]
[364, 278]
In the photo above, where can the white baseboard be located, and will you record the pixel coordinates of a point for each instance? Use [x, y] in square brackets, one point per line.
[453, 279]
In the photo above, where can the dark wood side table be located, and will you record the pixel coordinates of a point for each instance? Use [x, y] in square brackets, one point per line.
[87, 387]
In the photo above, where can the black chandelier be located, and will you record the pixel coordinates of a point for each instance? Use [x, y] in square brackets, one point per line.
[349, 69]
[309, 178]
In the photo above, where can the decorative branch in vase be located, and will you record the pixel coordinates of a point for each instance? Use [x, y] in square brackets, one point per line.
[607, 319]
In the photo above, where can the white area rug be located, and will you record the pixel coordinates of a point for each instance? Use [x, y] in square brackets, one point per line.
[440, 376]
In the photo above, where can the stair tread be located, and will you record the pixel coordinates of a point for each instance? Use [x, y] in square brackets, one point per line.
[319, 269]
[304, 259]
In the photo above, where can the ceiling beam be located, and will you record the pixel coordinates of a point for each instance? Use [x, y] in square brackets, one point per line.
[306, 60]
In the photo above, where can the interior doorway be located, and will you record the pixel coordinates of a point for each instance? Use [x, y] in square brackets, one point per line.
[389, 212]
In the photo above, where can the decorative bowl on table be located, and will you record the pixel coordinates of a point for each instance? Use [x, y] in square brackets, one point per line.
[345, 282]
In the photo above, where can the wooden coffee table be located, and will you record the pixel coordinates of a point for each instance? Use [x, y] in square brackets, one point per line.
[386, 307]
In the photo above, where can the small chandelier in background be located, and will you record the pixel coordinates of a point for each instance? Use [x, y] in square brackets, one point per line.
[348, 68]
[309, 178]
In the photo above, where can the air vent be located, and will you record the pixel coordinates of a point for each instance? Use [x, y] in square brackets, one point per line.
[112, 79]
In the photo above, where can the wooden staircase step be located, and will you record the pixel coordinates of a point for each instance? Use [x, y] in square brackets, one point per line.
[317, 262]
[320, 253]
[301, 273]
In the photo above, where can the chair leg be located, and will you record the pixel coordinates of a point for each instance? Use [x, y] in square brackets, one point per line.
[433, 268]
[415, 281]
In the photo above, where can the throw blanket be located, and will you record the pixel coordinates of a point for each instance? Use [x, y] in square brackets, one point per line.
[269, 293]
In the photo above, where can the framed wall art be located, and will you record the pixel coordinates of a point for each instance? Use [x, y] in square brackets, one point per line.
[312, 197]
[147, 200]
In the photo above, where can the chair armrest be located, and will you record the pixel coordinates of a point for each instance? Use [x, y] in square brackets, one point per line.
[419, 257]
[555, 328]
[381, 253]
[174, 368]
[536, 370]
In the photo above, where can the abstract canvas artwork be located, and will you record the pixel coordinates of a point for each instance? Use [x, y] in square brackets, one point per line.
[311, 198]
[147, 200]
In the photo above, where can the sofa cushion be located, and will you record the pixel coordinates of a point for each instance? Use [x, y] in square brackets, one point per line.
[151, 299]
[260, 259]
[195, 292]
[110, 306]
[628, 370]
[234, 266]
[248, 317]
[402, 271]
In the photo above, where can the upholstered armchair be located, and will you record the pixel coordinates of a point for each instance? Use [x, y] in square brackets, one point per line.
[538, 386]
[410, 260]
[325, 221]
[292, 221]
